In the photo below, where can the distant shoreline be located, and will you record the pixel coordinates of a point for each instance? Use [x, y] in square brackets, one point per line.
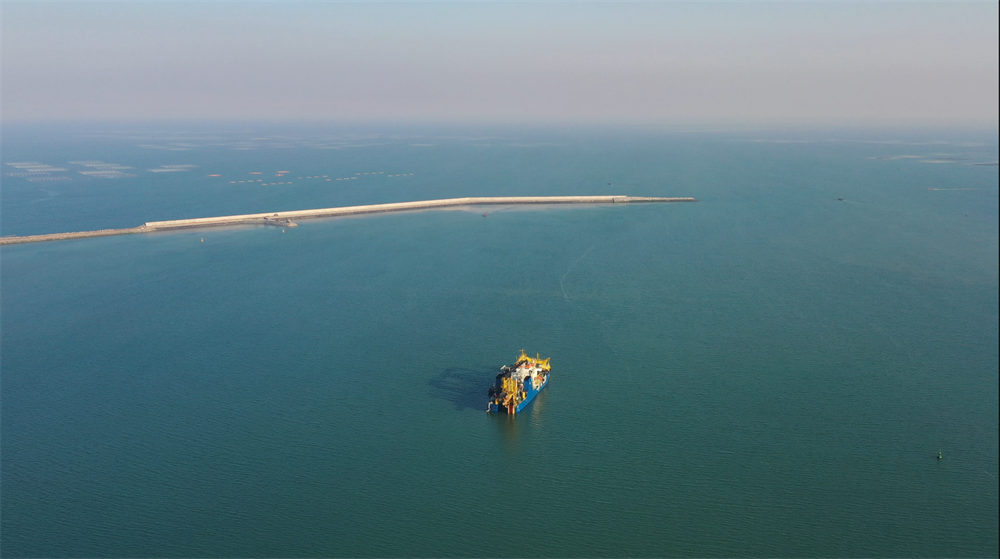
[284, 219]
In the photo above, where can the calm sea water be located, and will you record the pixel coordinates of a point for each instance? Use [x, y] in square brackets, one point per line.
[768, 372]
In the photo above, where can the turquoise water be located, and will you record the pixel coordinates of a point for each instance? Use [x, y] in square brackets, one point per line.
[767, 372]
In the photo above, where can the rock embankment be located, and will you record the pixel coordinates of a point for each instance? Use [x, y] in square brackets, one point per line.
[67, 236]
[284, 219]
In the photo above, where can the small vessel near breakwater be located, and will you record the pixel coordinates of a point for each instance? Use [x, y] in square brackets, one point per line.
[516, 385]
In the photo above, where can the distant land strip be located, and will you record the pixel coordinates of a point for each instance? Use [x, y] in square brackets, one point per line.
[284, 219]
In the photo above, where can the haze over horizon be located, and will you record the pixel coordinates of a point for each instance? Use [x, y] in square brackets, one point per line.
[920, 64]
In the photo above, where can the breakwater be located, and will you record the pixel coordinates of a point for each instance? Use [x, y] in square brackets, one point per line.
[284, 219]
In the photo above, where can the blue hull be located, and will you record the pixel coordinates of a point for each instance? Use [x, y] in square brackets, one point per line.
[529, 395]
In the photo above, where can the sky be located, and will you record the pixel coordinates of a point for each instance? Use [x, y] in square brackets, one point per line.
[746, 62]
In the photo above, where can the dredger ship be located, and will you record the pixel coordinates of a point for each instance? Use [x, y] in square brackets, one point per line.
[516, 385]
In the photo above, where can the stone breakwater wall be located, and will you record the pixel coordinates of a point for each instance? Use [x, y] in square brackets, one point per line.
[67, 236]
[284, 218]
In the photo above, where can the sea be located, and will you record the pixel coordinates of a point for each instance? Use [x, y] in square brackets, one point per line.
[803, 363]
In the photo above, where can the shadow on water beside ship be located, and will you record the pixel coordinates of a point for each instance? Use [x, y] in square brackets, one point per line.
[465, 388]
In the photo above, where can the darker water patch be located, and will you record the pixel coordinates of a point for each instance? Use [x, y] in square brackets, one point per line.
[465, 388]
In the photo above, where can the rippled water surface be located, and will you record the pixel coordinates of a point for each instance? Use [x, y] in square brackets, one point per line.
[770, 371]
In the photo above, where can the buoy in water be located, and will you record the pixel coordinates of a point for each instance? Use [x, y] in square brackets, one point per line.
[940, 456]
[203, 239]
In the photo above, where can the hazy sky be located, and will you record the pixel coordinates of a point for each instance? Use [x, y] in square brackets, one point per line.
[921, 63]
